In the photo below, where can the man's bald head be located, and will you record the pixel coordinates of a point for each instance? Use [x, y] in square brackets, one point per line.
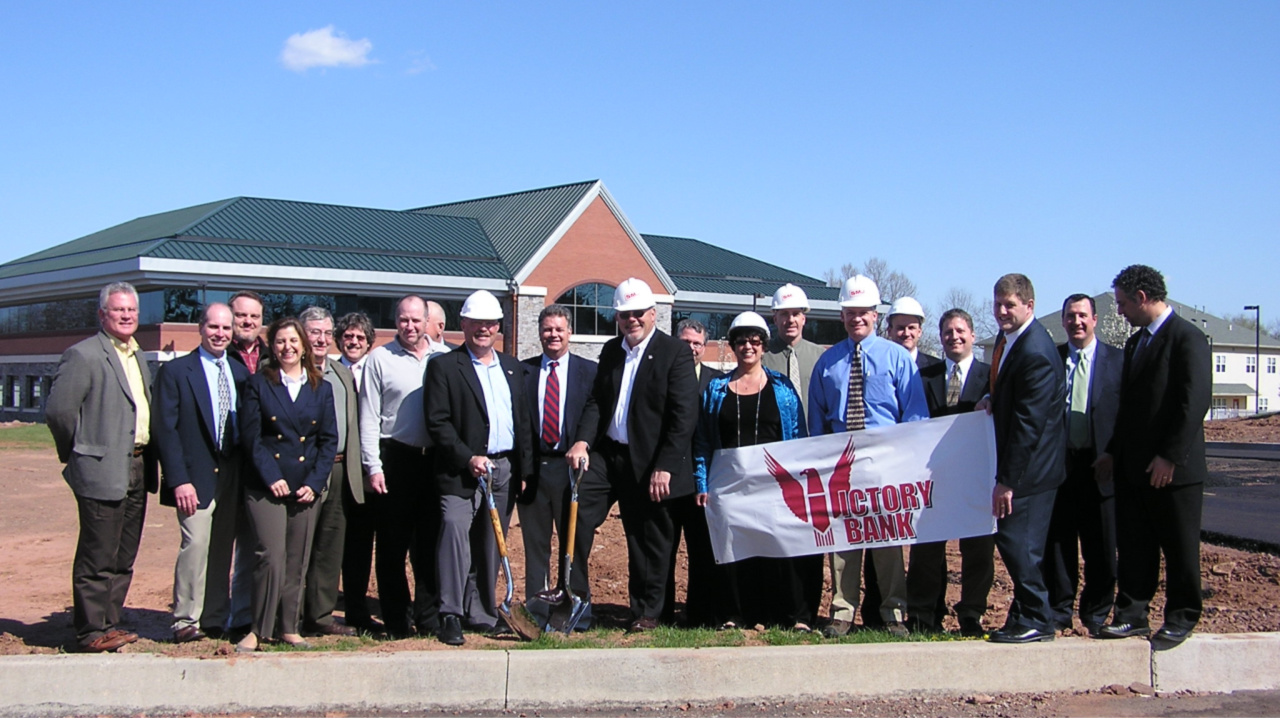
[435, 321]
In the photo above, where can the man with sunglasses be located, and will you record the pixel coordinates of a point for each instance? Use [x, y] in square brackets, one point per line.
[641, 416]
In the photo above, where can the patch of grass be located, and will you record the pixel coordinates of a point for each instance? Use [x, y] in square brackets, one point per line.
[779, 636]
[26, 437]
[669, 637]
[595, 638]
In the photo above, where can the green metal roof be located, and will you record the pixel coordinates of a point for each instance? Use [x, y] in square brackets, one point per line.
[696, 266]
[518, 223]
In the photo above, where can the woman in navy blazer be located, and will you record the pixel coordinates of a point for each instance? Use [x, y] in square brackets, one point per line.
[288, 429]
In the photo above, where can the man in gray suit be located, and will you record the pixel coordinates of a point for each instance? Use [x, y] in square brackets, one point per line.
[98, 412]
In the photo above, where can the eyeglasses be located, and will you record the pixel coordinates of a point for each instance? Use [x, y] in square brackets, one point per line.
[695, 344]
[629, 314]
[318, 333]
[354, 337]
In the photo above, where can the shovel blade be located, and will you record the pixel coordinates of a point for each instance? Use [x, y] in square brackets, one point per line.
[520, 621]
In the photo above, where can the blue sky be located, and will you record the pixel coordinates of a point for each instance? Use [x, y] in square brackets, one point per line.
[956, 140]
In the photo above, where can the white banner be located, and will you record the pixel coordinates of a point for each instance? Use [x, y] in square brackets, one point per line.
[898, 485]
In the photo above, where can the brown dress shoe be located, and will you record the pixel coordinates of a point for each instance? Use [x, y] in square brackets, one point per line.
[642, 624]
[128, 635]
[333, 628]
[189, 633]
[103, 643]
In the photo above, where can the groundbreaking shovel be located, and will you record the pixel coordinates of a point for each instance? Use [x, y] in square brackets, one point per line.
[520, 621]
[564, 609]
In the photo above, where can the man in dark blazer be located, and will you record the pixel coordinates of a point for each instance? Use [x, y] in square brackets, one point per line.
[690, 519]
[195, 429]
[345, 490]
[557, 384]
[1027, 392]
[1157, 452]
[98, 413]
[1084, 512]
[952, 387]
[478, 419]
[640, 416]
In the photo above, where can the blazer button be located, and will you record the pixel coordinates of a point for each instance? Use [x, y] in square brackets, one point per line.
[302, 439]
[313, 422]
[273, 418]
[302, 458]
[279, 437]
[277, 456]
[215, 471]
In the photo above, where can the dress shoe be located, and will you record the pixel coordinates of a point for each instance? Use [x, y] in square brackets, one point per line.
[103, 643]
[897, 629]
[971, 627]
[128, 635]
[1123, 630]
[297, 642]
[837, 629]
[214, 633]
[333, 628]
[1019, 634]
[642, 624]
[1167, 637]
[1093, 629]
[371, 626]
[188, 633]
[480, 628]
[451, 630]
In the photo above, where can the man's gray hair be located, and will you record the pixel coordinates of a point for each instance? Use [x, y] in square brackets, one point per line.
[112, 289]
[691, 324]
[556, 310]
[314, 313]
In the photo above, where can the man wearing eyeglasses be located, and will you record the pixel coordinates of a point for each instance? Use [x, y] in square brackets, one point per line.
[641, 415]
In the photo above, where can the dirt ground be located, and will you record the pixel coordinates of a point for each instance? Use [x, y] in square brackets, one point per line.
[1265, 429]
[38, 527]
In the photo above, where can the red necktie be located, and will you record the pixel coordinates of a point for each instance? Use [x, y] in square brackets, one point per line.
[551, 407]
[995, 360]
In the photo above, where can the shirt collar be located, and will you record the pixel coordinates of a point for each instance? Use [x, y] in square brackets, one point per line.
[476, 361]
[964, 364]
[1087, 350]
[639, 349]
[1012, 337]
[127, 348]
[289, 380]
[546, 361]
[208, 356]
[1158, 323]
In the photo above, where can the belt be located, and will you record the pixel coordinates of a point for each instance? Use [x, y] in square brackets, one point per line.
[138, 450]
[392, 442]
[551, 454]
[339, 457]
[500, 455]
[1088, 452]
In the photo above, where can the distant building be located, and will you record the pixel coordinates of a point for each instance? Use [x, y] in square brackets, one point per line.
[570, 244]
[1231, 347]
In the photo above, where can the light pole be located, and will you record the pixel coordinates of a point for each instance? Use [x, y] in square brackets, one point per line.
[1257, 355]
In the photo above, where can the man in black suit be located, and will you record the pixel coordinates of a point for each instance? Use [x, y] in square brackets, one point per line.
[1157, 452]
[640, 416]
[1084, 511]
[953, 387]
[1027, 392]
[478, 420]
[689, 518]
[195, 431]
[557, 384]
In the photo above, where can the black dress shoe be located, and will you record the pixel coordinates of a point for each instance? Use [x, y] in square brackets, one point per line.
[238, 633]
[1167, 638]
[450, 631]
[971, 627]
[1123, 630]
[642, 624]
[215, 633]
[1019, 634]
[1093, 629]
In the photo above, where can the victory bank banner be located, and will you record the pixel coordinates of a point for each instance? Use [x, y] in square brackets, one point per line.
[899, 485]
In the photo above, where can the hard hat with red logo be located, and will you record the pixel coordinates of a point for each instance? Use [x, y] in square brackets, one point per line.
[859, 291]
[633, 294]
[481, 305]
[749, 319]
[790, 297]
[906, 306]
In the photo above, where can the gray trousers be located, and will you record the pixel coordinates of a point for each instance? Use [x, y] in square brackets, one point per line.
[468, 553]
[202, 572]
[325, 568]
[110, 532]
[284, 529]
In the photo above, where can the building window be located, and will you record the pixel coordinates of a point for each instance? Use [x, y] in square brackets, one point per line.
[591, 305]
[1220, 403]
[35, 390]
[1262, 404]
[1250, 364]
[1271, 366]
[1220, 363]
[12, 392]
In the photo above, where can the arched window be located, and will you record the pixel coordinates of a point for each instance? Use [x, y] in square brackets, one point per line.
[592, 307]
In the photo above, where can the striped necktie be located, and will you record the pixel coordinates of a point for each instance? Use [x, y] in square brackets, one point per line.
[224, 402]
[953, 386]
[551, 407]
[855, 409]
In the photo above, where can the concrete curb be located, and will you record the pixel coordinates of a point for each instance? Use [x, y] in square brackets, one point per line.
[495, 679]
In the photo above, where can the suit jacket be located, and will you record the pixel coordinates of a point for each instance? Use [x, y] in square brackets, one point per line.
[1104, 392]
[924, 360]
[294, 440]
[458, 421]
[1164, 396]
[934, 377]
[92, 414]
[663, 411]
[1031, 430]
[183, 427]
[705, 376]
[355, 475]
[582, 373]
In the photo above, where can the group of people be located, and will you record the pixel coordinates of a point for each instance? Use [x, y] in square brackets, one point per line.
[285, 464]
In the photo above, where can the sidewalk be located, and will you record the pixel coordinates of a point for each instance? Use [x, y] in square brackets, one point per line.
[499, 679]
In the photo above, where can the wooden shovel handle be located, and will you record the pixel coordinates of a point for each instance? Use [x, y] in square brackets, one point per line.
[497, 531]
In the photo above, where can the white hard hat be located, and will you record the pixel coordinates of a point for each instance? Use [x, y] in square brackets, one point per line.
[859, 291]
[750, 319]
[790, 297]
[906, 306]
[481, 305]
[633, 294]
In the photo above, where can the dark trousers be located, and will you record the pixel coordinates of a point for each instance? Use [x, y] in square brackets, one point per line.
[1021, 537]
[325, 568]
[649, 530]
[110, 532]
[1149, 522]
[927, 580]
[357, 558]
[548, 511]
[468, 559]
[1083, 517]
[407, 521]
[700, 601]
[766, 590]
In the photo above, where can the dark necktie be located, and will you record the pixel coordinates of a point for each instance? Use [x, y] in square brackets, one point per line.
[224, 402]
[855, 409]
[551, 407]
[953, 386]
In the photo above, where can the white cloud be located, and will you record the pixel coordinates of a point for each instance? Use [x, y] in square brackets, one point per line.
[419, 63]
[324, 48]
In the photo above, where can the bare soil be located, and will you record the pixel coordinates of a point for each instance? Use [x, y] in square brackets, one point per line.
[38, 528]
[1265, 429]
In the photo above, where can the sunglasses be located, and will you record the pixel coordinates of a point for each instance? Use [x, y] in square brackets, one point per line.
[753, 341]
[629, 314]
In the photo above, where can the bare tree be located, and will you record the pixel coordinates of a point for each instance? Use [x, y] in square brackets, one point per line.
[892, 284]
[1248, 322]
[1113, 329]
[984, 323]
[836, 278]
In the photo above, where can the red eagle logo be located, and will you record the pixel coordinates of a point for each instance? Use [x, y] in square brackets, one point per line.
[809, 500]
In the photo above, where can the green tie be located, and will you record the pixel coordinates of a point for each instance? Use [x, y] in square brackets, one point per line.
[1077, 418]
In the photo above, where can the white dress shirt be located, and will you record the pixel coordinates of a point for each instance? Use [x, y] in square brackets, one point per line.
[562, 374]
[618, 428]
